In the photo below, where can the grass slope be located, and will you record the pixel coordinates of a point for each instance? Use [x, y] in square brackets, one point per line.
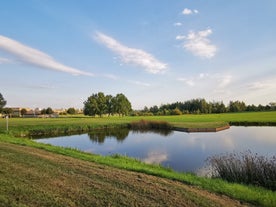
[33, 177]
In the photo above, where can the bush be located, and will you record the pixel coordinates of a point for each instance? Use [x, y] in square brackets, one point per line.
[245, 168]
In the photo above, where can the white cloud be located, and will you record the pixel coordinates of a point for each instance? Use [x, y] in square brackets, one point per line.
[140, 83]
[131, 55]
[35, 57]
[219, 81]
[260, 85]
[187, 11]
[198, 43]
[110, 76]
[180, 37]
[4, 60]
[177, 24]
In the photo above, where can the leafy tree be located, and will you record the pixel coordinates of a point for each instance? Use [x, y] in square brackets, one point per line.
[109, 104]
[49, 110]
[23, 111]
[95, 104]
[7, 111]
[176, 111]
[122, 104]
[3, 102]
[236, 106]
[71, 111]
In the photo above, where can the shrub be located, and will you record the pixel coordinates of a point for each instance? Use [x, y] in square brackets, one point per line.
[245, 168]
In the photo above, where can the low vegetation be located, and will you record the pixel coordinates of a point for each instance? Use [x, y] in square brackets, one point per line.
[246, 168]
[147, 124]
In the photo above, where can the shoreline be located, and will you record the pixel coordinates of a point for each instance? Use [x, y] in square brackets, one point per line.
[193, 130]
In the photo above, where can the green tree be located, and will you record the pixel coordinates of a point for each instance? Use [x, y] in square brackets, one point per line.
[95, 105]
[49, 110]
[236, 106]
[7, 111]
[109, 104]
[71, 111]
[23, 111]
[122, 104]
[3, 102]
[176, 111]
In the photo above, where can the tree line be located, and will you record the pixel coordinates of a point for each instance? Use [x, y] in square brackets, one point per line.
[201, 106]
[100, 104]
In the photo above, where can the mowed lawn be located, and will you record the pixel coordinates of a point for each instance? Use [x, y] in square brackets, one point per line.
[19, 125]
[34, 177]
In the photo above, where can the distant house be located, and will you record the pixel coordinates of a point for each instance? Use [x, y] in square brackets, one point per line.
[32, 113]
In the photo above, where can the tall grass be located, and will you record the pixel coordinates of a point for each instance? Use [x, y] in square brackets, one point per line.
[246, 168]
[147, 124]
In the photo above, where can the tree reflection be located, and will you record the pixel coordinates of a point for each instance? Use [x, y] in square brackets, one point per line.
[99, 136]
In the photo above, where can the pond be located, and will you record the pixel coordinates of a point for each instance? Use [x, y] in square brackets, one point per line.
[183, 152]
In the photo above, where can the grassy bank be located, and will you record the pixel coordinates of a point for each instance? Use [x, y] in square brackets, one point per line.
[253, 195]
[24, 127]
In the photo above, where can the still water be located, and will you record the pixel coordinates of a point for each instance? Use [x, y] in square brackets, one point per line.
[183, 152]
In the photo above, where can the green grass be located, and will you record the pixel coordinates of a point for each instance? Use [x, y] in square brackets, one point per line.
[254, 195]
[21, 127]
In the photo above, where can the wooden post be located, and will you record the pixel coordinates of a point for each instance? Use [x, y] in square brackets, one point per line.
[7, 121]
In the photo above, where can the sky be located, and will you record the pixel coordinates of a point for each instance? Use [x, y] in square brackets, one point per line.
[58, 53]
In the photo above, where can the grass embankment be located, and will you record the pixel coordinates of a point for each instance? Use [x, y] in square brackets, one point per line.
[38, 178]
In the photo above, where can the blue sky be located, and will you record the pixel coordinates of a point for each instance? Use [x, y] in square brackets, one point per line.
[57, 53]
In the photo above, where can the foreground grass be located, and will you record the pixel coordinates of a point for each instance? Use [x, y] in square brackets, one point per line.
[254, 195]
[41, 178]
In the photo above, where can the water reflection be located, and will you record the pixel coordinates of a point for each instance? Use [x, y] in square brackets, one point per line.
[99, 136]
[178, 150]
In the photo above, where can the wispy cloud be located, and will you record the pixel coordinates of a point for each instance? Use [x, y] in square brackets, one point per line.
[5, 60]
[260, 85]
[198, 43]
[220, 81]
[132, 55]
[139, 83]
[187, 11]
[35, 57]
[177, 24]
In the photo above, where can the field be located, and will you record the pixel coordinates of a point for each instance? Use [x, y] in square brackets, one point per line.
[44, 175]
[21, 127]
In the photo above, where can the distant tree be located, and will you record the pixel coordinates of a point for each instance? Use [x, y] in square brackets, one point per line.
[23, 111]
[7, 111]
[176, 111]
[237, 106]
[71, 111]
[43, 111]
[272, 105]
[154, 109]
[3, 102]
[109, 104]
[122, 106]
[49, 110]
[95, 105]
